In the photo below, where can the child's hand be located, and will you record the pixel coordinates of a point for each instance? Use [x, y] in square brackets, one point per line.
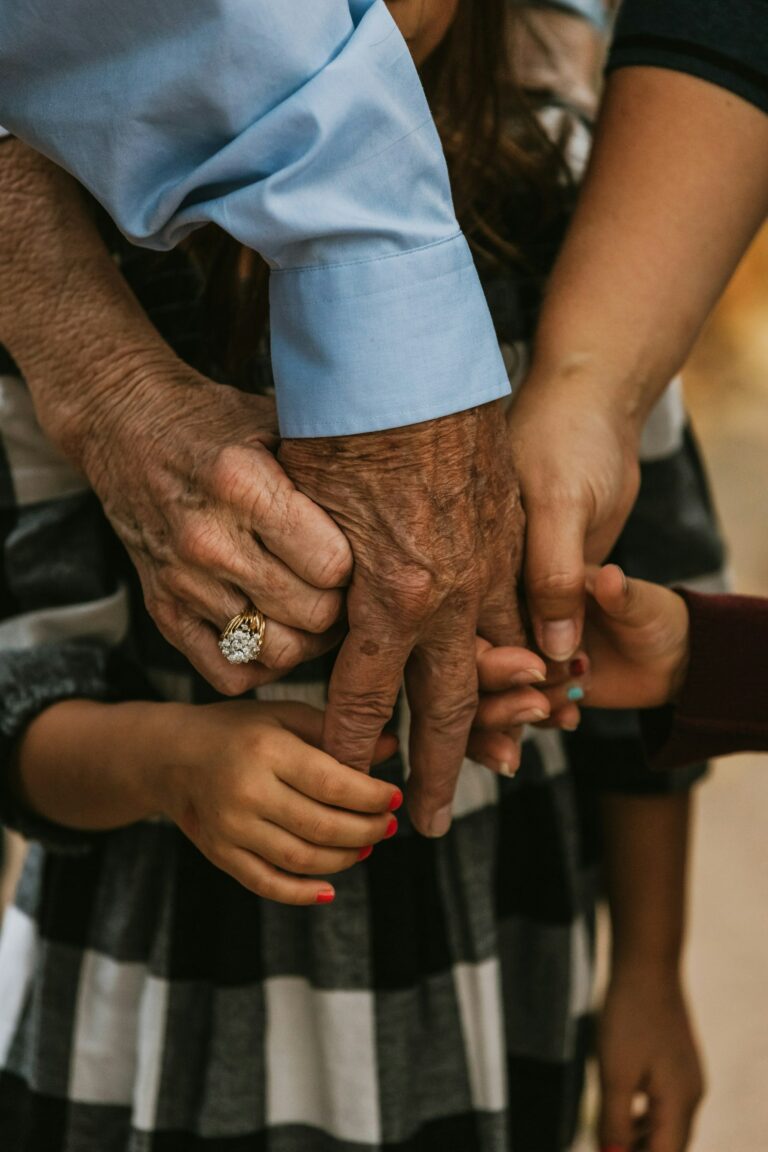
[647, 1051]
[636, 639]
[249, 787]
[509, 681]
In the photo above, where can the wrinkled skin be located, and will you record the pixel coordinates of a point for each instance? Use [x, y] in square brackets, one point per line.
[216, 525]
[432, 514]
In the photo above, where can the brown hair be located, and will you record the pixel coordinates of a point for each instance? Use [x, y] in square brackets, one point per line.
[509, 181]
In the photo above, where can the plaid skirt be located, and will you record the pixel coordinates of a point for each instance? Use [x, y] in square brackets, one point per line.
[148, 1003]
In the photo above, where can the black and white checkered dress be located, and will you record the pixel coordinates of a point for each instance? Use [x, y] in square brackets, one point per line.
[148, 1003]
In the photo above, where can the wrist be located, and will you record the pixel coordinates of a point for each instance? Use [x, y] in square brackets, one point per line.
[640, 965]
[585, 380]
[163, 750]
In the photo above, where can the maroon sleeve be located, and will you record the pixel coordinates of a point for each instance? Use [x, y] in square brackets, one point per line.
[723, 706]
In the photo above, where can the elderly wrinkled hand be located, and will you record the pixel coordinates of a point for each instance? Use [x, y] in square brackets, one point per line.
[186, 472]
[433, 517]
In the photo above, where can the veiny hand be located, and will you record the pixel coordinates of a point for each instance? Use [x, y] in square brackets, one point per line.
[636, 637]
[577, 458]
[647, 1050]
[186, 472]
[249, 787]
[433, 517]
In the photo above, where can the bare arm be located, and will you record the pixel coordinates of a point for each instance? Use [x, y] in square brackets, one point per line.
[646, 1042]
[677, 186]
[242, 780]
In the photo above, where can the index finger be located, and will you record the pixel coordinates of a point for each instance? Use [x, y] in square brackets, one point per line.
[321, 777]
[298, 531]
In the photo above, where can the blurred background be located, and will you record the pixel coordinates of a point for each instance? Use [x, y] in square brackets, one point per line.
[727, 390]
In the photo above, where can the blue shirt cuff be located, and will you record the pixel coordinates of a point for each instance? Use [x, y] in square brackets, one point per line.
[383, 343]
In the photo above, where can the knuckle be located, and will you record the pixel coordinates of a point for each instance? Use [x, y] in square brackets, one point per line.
[283, 654]
[265, 886]
[415, 592]
[229, 472]
[332, 567]
[320, 830]
[330, 787]
[200, 545]
[323, 613]
[297, 858]
[446, 716]
[556, 585]
[231, 681]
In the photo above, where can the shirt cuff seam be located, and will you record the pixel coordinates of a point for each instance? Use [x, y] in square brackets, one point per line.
[367, 260]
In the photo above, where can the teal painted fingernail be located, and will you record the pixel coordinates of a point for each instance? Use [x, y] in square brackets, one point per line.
[575, 694]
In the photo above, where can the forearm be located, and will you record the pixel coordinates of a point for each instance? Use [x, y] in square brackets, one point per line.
[677, 187]
[646, 853]
[66, 314]
[92, 766]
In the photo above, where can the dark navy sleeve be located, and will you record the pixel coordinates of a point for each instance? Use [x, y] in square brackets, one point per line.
[722, 41]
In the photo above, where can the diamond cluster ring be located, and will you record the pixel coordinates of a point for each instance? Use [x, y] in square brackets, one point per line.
[242, 640]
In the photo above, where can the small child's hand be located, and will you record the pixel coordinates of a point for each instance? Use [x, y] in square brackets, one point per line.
[248, 785]
[510, 680]
[636, 644]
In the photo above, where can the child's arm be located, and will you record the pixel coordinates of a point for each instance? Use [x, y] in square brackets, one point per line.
[242, 780]
[646, 1041]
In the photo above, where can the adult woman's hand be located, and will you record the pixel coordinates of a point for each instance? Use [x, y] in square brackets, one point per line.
[678, 180]
[577, 456]
[185, 468]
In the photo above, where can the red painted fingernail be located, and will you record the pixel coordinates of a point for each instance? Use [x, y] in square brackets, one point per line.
[391, 828]
[326, 896]
[578, 667]
[364, 853]
[396, 801]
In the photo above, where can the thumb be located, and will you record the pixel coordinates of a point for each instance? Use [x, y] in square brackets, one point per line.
[616, 1121]
[554, 578]
[626, 601]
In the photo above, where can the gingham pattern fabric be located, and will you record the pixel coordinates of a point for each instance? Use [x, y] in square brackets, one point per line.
[150, 1004]
[147, 1001]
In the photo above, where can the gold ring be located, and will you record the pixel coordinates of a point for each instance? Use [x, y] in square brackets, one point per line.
[242, 640]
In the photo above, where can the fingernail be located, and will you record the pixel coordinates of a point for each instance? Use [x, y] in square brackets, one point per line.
[625, 588]
[559, 638]
[391, 828]
[325, 896]
[440, 822]
[364, 853]
[578, 666]
[507, 769]
[575, 693]
[396, 801]
[533, 716]
[569, 727]
[528, 676]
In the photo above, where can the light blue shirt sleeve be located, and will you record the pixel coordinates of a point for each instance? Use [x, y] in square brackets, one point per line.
[301, 128]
